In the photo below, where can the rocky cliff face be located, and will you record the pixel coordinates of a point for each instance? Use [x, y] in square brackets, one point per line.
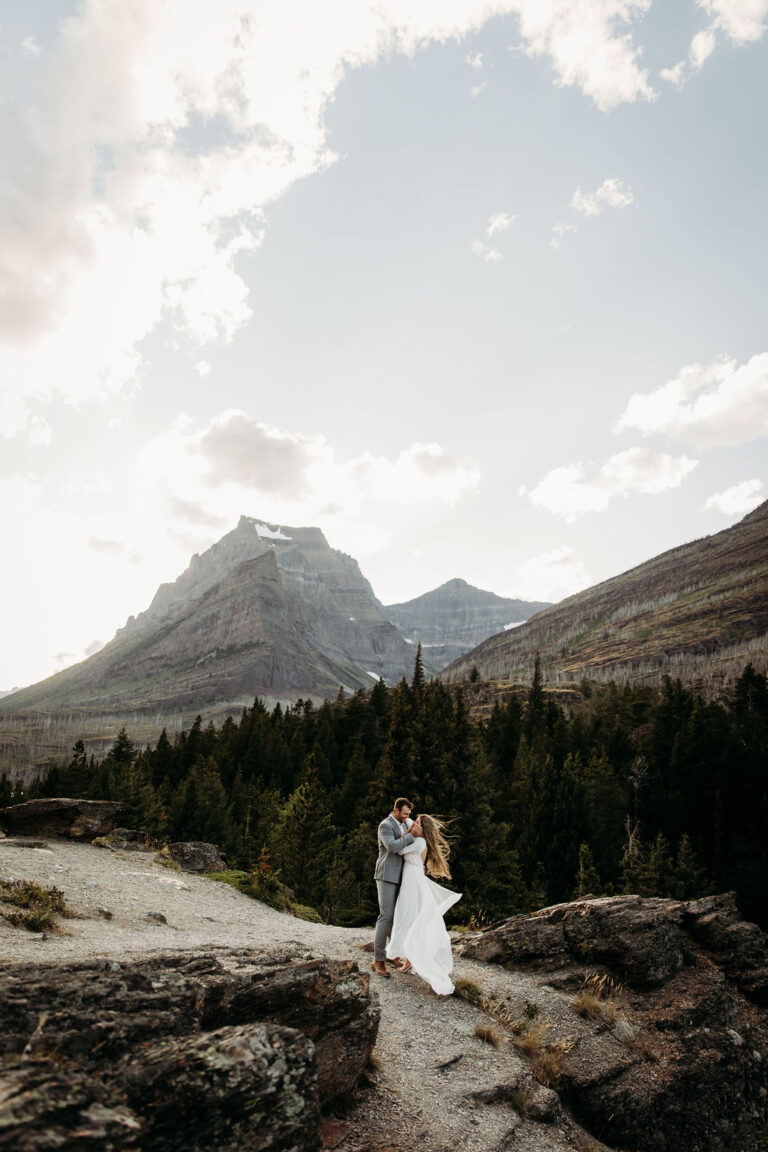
[671, 1049]
[698, 612]
[455, 618]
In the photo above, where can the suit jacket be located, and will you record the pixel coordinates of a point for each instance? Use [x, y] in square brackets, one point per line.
[389, 864]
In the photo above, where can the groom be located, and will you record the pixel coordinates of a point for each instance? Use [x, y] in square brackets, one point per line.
[395, 834]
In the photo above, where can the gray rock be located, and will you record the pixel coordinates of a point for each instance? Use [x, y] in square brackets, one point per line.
[685, 1065]
[73, 819]
[197, 856]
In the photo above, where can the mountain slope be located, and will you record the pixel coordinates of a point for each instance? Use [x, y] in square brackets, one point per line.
[266, 610]
[455, 617]
[698, 611]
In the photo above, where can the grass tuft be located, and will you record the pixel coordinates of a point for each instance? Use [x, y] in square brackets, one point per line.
[468, 991]
[35, 908]
[487, 1035]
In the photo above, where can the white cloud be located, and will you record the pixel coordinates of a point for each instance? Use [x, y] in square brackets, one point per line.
[115, 220]
[739, 499]
[551, 576]
[486, 252]
[475, 60]
[203, 367]
[610, 194]
[238, 462]
[574, 489]
[499, 222]
[741, 20]
[719, 404]
[560, 231]
[30, 45]
[476, 89]
[587, 48]
[701, 48]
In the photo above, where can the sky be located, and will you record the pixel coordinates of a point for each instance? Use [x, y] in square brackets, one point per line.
[477, 288]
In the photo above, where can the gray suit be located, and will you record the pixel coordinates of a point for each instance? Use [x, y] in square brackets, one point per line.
[387, 874]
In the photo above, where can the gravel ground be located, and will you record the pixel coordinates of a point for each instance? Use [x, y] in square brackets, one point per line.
[411, 1100]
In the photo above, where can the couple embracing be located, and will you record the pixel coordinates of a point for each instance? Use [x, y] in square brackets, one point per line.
[410, 931]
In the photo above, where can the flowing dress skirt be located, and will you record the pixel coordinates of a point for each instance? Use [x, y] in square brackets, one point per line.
[418, 931]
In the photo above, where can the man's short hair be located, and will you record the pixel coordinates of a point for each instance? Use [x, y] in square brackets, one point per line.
[401, 802]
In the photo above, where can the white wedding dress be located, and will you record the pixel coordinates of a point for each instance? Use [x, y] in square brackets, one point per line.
[418, 931]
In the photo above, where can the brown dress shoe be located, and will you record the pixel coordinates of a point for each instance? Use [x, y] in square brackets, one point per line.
[380, 968]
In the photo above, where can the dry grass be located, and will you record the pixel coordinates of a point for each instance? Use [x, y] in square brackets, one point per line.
[468, 991]
[530, 1038]
[598, 998]
[487, 1035]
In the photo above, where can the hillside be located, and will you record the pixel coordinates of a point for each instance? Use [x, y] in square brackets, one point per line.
[698, 612]
[455, 617]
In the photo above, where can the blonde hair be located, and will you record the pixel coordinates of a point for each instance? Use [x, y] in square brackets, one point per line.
[438, 848]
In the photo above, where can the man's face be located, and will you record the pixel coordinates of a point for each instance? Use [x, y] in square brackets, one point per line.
[403, 813]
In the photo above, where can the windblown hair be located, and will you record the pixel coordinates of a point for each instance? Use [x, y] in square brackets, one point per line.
[438, 848]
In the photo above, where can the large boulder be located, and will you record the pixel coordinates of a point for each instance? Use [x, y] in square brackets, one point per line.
[197, 856]
[677, 1058]
[108, 1007]
[232, 1049]
[60, 816]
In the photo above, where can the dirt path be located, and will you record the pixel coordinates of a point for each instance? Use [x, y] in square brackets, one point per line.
[429, 1060]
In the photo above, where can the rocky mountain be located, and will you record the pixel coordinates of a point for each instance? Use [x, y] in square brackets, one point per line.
[455, 618]
[698, 612]
[268, 610]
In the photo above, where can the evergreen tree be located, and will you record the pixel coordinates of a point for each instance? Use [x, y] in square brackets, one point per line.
[688, 880]
[588, 881]
[417, 684]
[302, 844]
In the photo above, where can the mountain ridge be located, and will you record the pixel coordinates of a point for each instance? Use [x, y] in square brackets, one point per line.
[698, 611]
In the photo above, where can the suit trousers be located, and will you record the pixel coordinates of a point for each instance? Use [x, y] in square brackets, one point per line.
[388, 893]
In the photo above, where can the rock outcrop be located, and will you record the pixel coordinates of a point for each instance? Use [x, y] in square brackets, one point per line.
[75, 819]
[678, 1058]
[197, 856]
[227, 1050]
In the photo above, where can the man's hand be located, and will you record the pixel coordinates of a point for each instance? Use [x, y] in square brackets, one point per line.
[415, 828]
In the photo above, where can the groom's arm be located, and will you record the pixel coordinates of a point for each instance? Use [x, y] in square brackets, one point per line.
[393, 844]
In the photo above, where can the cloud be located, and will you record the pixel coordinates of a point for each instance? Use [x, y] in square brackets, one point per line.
[610, 194]
[701, 48]
[739, 499]
[498, 222]
[203, 368]
[560, 231]
[235, 461]
[741, 20]
[551, 576]
[587, 48]
[476, 89]
[30, 45]
[240, 450]
[574, 489]
[94, 646]
[719, 404]
[486, 252]
[475, 60]
[111, 547]
[118, 214]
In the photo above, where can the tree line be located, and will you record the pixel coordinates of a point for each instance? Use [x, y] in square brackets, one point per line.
[636, 789]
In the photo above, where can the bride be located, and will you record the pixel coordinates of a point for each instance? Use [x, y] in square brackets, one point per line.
[418, 931]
